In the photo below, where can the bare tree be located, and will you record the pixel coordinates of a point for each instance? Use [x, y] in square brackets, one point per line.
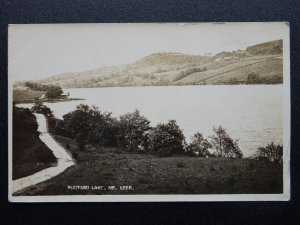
[224, 145]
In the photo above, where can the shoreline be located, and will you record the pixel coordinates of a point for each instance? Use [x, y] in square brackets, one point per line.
[52, 100]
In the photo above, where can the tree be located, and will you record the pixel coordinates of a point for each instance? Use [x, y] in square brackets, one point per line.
[39, 107]
[89, 124]
[199, 145]
[53, 91]
[271, 152]
[166, 139]
[103, 129]
[224, 145]
[79, 123]
[24, 120]
[132, 131]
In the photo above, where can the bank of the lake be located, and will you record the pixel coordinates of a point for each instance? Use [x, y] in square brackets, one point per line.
[36, 161]
[29, 96]
[151, 174]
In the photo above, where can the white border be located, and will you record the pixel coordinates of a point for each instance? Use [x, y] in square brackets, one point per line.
[285, 196]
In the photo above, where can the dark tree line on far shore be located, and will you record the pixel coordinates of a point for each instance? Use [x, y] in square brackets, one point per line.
[51, 91]
[132, 132]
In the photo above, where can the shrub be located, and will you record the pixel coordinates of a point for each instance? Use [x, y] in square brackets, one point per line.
[271, 152]
[166, 139]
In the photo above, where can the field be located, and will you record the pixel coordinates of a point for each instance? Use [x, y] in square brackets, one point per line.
[150, 174]
[26, 95]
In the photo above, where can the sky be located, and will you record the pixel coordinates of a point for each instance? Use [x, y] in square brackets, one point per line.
[42, 50]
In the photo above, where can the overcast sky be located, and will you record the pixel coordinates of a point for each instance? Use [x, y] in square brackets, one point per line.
[38, 51]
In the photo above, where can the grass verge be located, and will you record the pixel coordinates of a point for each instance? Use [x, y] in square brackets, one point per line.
[149, 174]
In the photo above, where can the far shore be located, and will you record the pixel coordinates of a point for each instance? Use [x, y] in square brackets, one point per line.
[48, 100]
[30, 96]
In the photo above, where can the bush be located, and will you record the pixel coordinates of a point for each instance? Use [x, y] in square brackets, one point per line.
[271, 152]
[166, 139]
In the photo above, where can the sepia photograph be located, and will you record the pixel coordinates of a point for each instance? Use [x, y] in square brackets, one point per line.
[149, 112]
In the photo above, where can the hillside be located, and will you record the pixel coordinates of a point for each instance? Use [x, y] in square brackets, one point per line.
[258, 64]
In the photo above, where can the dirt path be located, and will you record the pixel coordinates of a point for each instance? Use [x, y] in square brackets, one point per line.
[64, 160]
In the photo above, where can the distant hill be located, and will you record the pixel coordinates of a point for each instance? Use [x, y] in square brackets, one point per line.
[258, 64]
[268, 48]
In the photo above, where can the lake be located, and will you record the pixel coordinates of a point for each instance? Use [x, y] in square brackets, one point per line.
[251, 113]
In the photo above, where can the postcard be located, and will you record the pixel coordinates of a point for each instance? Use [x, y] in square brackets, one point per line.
[149, 112]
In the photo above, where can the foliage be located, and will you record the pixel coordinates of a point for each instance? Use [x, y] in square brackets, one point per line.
[199, 145]
[132, 131]
[36, 86]
[224, 145]
[87, 124]
[39, 107]
[166, 139]
[28, 150]
[53, 91]
[271, 152]
[24, 120]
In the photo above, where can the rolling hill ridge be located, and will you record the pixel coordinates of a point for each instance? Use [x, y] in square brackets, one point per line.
[257, 64]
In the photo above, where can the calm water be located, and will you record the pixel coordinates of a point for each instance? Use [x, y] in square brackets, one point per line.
[252, 114]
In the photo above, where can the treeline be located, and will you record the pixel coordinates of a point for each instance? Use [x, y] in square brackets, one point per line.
[51, 91]
[132, 132]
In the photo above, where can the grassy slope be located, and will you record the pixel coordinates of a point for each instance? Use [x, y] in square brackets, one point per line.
[173, 69]
[238, 69]
[28, 95]
[149, 174]
[30, 155]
